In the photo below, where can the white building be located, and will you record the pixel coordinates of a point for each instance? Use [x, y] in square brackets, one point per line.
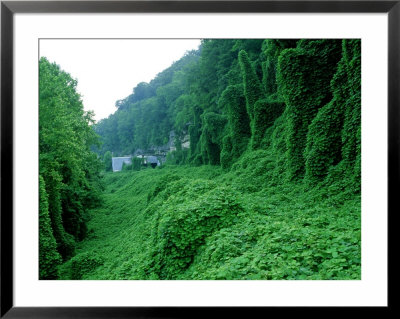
[117, 162]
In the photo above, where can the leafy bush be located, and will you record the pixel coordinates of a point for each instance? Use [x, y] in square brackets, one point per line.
[136, 163]
[126, 167]
[183, 226]
[162, 184]
[81, 265]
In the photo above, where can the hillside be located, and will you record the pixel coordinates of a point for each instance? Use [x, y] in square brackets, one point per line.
[264, 181]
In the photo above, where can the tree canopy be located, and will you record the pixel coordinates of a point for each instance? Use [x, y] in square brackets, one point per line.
[69, 171]
[228, 95]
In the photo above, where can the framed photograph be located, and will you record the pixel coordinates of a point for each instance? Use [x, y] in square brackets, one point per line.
[175, 158]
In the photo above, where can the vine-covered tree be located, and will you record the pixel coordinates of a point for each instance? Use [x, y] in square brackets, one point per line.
[69, 169]
[49, 258]
[299, 97]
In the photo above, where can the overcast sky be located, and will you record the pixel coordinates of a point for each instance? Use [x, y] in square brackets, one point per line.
[108, 70]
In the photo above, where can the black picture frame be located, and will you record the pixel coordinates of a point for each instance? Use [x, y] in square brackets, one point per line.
[9, 8]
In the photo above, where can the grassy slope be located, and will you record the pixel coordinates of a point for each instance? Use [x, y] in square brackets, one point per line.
[204, 223]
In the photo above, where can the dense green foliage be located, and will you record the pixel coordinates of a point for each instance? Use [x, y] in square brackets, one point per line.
[304, 74]
[252, 86]
[239, 123]
[107, 160]
[227, 95]
[69, 171]
[187, 98]
[145, 118]
[203, 223]
[49, 258]
[271, 49]
[268, 188]
[198, 209]
[265, 114]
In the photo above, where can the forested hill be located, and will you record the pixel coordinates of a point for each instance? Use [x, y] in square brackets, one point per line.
[183, 98]
[146, 117]
[227, 96]
[266, 186]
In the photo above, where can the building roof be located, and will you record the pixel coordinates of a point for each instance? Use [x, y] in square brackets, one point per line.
[117, 162]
